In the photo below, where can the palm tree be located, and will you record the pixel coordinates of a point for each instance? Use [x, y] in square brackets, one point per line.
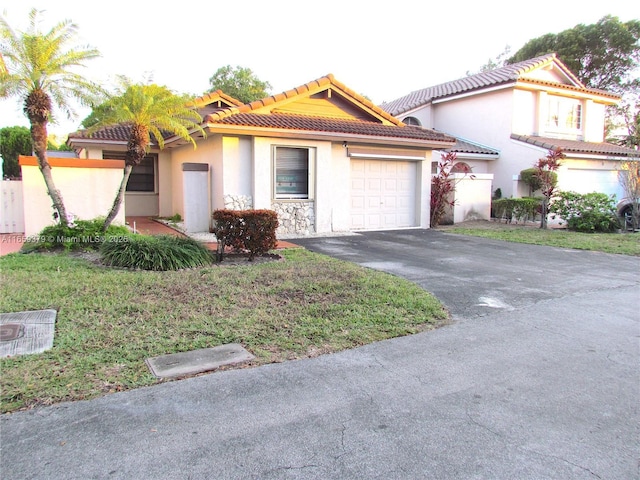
[149, 111]
[36, 68]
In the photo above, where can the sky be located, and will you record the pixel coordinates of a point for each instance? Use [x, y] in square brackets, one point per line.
[383, 50]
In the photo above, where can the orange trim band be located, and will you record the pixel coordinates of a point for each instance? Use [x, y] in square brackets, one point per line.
[72, 162]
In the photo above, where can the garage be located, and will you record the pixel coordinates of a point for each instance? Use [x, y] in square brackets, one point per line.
[383, 194]
[587, 181]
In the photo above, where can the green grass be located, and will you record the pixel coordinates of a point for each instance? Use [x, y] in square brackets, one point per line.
[620, 243]
[110, 320]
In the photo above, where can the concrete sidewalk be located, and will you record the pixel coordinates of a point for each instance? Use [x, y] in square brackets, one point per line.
[541, 385]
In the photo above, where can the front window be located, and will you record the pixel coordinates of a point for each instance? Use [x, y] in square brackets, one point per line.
[564, 114]
[142, 178]
[143, 175]
[291, 172]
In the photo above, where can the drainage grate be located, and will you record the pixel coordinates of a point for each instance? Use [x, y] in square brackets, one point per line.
[11, 331]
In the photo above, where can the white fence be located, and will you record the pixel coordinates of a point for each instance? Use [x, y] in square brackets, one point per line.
[12, 207]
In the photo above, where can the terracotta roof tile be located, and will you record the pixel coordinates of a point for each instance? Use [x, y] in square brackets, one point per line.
[576, 146]
[499, 76]
[323, 124]
[116, 133]
[245, 115]
[318, 84]
[465, 146]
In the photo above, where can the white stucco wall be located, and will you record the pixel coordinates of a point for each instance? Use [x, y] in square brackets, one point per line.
[206, 152]
[486, 120]
[593, 117]
[473, 197]
[87, 193]
[165, 206]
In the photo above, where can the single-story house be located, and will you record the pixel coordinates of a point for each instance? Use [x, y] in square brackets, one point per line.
[325, 158]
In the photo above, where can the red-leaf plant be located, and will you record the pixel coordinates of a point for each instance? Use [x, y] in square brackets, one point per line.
[443, 185]
[545, 171]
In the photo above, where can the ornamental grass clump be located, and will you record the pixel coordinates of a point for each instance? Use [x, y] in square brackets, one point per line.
[159, 253]
[76, 235]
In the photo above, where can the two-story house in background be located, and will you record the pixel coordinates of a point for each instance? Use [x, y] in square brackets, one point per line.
[516, 114]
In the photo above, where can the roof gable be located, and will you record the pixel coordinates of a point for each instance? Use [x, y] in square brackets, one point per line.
[325, 97]
[213, 102]
[546, 69]
[321, 109]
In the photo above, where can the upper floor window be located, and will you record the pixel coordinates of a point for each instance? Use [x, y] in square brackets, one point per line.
[291, 172]
[412, 121]
[564, 114]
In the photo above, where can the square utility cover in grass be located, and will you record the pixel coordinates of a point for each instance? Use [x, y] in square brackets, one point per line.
[197, 361]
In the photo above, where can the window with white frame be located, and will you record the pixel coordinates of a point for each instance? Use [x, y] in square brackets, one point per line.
[564, 114]
[291, 173]
[412, 121]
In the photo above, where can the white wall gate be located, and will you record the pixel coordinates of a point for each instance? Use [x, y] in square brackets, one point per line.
[12, 207]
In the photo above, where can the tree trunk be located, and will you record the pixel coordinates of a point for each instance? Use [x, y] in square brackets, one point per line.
[39, 138]
[543, 216]
[117, 203]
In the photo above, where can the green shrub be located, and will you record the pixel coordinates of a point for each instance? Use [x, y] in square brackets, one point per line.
[530, 178]
[520, 209]
[78, 235]
[161, 253]
[587, 213]
[250, 230]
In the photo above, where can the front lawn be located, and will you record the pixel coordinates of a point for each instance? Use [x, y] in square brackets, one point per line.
[620, 243]
[110, 320]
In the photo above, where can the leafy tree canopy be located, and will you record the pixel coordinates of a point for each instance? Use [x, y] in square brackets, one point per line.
[240, 83]
[14, 141]
[603, 55]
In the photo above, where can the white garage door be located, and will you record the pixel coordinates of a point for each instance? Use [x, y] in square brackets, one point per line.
[383, 194]
[587, 181]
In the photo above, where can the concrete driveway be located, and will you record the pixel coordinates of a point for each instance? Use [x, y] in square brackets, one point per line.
[536, 378]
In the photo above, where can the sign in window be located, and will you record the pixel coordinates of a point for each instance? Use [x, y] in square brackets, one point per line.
[292, 172]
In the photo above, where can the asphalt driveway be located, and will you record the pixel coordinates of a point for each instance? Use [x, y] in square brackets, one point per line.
[536, 378]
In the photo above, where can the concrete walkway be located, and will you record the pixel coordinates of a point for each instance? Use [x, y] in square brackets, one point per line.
[537, 378]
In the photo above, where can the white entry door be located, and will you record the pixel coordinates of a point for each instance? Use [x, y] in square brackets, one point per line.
[383, 194]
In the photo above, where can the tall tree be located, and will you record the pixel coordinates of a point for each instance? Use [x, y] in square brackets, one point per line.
[240, 83]
[623, 120]
[14, 141]
[603, 55]
[36, 68]
[150, 111]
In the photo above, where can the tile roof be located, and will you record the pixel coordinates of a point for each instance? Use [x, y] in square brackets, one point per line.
[500, 76]
[307, 89]
[576, 146]
[258, 115]
[331, 125]
[115, 133]
[466, 146]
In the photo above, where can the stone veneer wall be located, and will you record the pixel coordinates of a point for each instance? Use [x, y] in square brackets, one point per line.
[238, 202]
[295, 217]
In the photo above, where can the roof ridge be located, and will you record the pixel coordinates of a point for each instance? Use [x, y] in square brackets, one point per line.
[311, 86]
[497, 76]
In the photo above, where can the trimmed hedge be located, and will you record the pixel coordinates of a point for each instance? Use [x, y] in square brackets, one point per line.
[249, 230]
[520, 209]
